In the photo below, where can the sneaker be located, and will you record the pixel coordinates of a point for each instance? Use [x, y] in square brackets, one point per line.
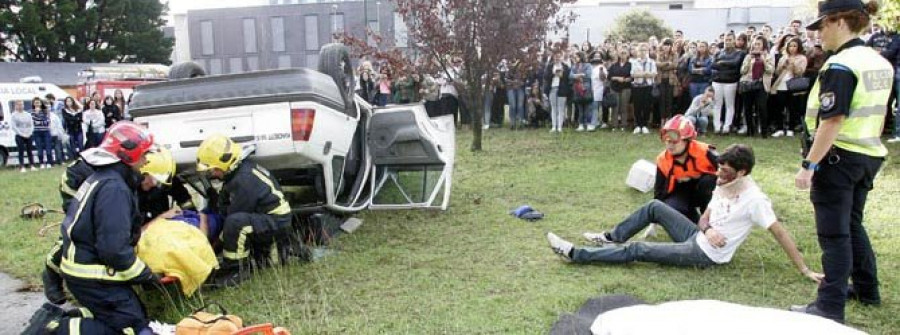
[779, 133]
[598, 238]
[33, 168]
[894, 139]
[580, 127]
[22, 170]
[622, 129]
[644, 130]
[604, 126]
[637, 130]
[560, 246]
[485, 127]
[591, 127]
[725, 131]
[790, 133]
[743, 130]
[812, 309]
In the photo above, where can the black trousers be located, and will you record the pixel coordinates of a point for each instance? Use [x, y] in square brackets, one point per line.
[450, 105]
[643, 102]
[666, 103]
[755, 112]
[246, 235]
[691, 197]
[839, 191]
[114, 308]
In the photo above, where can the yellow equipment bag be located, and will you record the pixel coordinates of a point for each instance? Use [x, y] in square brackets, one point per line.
[178, 250]
[205, 323]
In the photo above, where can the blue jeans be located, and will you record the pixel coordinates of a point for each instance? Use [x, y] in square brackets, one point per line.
[683, 252]
[697, 89]
[516, 100]
[44, 144]
[700, 123]
[587, 114]
[76, 143]
[595, 114]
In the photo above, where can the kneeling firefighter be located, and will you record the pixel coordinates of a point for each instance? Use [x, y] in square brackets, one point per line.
[99, 232]
[686, 169]
[257, 216]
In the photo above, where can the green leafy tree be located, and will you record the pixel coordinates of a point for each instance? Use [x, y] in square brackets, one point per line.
[638, 25]
[126, 31]
[889, 15]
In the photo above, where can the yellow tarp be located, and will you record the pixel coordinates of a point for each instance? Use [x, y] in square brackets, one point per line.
[179, 250]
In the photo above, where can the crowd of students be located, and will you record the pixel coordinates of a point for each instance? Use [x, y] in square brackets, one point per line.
[60, 129]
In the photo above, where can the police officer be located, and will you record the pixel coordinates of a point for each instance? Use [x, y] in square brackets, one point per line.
[99, 232]
[156, 186]
[257, 216]
[686, 169]
[846, 112]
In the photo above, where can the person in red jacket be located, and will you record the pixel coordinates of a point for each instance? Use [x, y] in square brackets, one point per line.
[685, 170]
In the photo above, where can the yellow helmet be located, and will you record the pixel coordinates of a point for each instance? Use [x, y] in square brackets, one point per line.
[160, 165]
[218, 151]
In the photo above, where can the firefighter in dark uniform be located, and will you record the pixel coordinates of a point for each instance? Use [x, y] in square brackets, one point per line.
[99, 233]
[685, 170]
[845, 113]
[257, 216]
[157, 185]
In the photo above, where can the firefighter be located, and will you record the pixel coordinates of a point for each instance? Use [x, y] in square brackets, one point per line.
[99, 233]
[257, 216]
[686, 169]
[157, 185]
[845, 112]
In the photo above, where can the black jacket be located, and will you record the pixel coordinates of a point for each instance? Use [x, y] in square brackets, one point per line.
[565, 89]
[892, 51]
[727, 66]
[251, 189]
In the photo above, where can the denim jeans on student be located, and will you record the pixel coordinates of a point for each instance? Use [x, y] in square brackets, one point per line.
[700, 123]
[595, 113]
[44, 143]
[684, 251]
[76, 143]
[516, 100]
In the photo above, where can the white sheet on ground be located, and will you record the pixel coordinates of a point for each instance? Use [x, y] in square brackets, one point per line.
[701, 317]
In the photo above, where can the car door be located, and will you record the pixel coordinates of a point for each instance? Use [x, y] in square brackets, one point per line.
[412, 158]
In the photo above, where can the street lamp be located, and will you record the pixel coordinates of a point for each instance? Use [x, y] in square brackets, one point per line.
[334, 18]
[378, 15]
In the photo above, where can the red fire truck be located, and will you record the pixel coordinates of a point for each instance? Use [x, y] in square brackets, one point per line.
[107, 79]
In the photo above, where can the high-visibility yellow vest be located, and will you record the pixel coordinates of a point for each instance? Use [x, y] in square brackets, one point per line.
[861, 130]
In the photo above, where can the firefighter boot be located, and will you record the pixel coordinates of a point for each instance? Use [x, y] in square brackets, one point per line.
[230, 274]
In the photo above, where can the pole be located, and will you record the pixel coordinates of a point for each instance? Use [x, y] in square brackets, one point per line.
[365, 14]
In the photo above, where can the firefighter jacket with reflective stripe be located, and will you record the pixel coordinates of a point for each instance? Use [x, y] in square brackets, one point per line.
[701, 159]
[861, 130]
[100, 233]
[76, 173]
[251, 189]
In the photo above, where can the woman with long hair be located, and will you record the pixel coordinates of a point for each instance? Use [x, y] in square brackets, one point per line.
[40, 114]
[557, 88]
[111, 112]
[620, 82]
[643, 70]
[756, 78]
[582, 95]
[72, 120]
[700, 69]
[94, 123]
[726, 74]
[788, 106]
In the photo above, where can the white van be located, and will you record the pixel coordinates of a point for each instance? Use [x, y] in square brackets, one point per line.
[9, 94]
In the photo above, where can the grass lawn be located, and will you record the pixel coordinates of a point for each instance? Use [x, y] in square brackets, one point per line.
[475, 270]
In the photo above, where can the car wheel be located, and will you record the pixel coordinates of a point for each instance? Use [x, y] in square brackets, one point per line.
[186, 70]
[334, 60]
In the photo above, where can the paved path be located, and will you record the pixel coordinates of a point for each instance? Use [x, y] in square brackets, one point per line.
[16, 307]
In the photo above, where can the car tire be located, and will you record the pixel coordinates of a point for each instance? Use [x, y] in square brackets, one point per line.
[334, 60]
[186, 70]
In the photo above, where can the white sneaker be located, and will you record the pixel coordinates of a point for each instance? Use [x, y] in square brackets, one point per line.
[604, 126]
[33, 168]
[591, 127]
[637, 130]
[651, 231]
[779, 133]
[790, 133]
[743, 130]
[485, 127]
[552, 130]
[894, 139]
[580, 127]
[644, 130]
[598, 238]
[22, 170]
[560, 246]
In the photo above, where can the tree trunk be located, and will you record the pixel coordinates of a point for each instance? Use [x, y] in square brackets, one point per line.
[474, 96]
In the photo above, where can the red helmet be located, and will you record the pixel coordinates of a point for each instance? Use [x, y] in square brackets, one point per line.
[128, 141]
[678, 128]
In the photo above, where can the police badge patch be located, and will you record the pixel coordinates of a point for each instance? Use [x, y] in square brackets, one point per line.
[826, 100]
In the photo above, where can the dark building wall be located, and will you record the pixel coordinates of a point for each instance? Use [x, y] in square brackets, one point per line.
[229, 54]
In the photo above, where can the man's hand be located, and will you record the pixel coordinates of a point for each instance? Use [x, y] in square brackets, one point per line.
[716, 239]
[171, 213]
[814, 276]
[803, 180]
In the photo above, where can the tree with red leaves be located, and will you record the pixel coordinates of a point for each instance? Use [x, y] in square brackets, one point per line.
[480, 32]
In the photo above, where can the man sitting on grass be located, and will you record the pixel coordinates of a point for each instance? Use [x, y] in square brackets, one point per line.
[737, 204]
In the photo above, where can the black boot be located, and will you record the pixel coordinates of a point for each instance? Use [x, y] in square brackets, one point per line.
[231, 273]
[53, 287]
[44, 320]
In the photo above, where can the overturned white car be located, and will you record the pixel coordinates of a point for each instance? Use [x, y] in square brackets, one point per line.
[329, 149]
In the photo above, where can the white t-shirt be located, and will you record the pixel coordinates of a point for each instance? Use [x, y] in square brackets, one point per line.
[596, 83]
[733, 218]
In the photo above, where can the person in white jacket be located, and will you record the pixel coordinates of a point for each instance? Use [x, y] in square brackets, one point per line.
[58, 137]
[94, 123]
[23, 127]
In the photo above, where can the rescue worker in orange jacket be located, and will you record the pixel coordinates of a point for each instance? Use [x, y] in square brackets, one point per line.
[685, 170]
